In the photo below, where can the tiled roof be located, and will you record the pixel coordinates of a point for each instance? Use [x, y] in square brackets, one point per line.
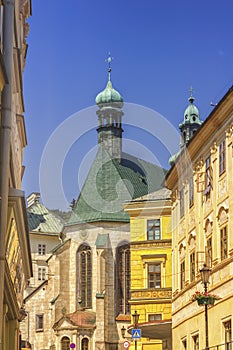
[40, 219]
[110, 183]
[79, 318]
[161, 194]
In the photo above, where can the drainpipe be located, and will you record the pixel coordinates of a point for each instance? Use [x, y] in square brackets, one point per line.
[6, 104]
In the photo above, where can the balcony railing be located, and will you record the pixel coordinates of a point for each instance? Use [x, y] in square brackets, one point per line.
[224, 346]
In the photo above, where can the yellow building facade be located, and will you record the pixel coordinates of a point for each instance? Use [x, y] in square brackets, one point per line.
[15, 258]
[151, 268]
[201, 183]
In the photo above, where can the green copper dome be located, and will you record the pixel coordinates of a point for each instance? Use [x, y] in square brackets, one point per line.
[191, 114]
[108, 95]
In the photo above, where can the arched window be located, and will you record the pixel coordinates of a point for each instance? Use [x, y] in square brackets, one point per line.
[65, 343]
[84, 344]
[84, 276]
[123, 278]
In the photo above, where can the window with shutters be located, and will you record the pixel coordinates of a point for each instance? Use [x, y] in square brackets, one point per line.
[209, 252]
[224, 243]
[123, 278]
[208, 177]
[192, 266]
[153, 229]
[154, 275]
[182, 275]
[222, 157]
[84, 276]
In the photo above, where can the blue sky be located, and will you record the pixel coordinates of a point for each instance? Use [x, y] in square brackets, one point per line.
[160, 49]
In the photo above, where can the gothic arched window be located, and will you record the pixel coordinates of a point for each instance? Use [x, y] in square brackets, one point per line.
[123, 278]
[84, 276]
[65, 343]
[84, 345]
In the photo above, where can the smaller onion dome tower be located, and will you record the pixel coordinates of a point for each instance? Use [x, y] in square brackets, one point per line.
[110, 114]
[191, 122]
[188, 127]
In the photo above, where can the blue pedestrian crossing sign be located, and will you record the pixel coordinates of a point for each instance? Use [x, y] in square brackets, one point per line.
[136, 333]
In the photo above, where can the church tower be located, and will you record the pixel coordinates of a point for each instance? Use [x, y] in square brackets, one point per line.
[191, 122]
[188, 127]
[110, 114]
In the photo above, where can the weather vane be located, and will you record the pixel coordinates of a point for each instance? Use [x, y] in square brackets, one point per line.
[109, 60]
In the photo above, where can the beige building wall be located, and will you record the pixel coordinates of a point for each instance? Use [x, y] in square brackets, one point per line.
[202, 229]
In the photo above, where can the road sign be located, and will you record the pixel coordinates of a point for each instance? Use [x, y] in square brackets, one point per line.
[136, 333]
[126, 344]
[72, 345]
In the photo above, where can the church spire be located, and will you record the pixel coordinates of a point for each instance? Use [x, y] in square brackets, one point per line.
[110, 114]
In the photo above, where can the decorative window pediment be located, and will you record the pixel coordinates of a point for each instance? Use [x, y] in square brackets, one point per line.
[222, 215]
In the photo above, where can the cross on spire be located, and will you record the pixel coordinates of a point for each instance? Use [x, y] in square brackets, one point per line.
[191, 91]
[191, 98]
[109, 60]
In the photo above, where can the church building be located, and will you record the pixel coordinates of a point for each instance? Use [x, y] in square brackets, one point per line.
[86, 296]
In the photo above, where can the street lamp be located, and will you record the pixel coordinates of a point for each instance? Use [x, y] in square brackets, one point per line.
[135, 321]
[205, 275]
[123, 330]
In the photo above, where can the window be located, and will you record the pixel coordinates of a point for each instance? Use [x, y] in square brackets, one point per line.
[209, 252]
[191, 192]
[41, 273]
[153, 229]
[222, 157]
[224, 243]
[123, 277]
[41, 249]
[184, 344]
[84, 343]
[154, 275]
[228, 335]
[84, 276]
[208, 177]
[196, 342]
[154, 317]
[181, 202]
[192, 266]
[39, 323]
[182, 275]
[65, 343]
